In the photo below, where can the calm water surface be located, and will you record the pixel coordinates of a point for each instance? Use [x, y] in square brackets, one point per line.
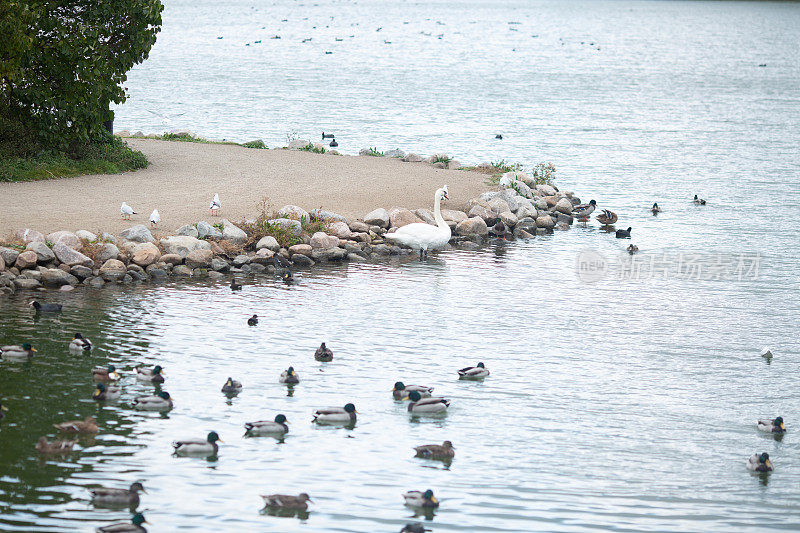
[627, 405]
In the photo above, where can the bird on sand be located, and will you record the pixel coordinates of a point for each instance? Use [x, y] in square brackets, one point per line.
[126, 211]
[215, 205]
[155, 218]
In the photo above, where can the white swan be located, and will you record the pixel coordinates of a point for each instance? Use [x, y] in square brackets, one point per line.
[422, 237]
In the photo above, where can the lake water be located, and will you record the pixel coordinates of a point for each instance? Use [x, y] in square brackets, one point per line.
[627, 404]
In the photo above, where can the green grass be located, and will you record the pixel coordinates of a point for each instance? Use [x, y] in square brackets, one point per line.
[111, 156]
[257, 144]
[374, 152]
[313, 149]
[441, 158]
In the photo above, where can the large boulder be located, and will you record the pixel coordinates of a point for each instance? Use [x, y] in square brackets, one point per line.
[400, 216]
[188, 231]
[293, 211]
[508, 218]
[199, 259]
[207, 231]
[67, 238]
[81, 272]
[182, 245]
[482, 212]
[526, 210]
[9, 255]
[527, 224]
[84, 235]
[71, 257]
[106, 251]
[508, 182]
[545, 221]
[499, 205]
[340, 230]
[394, 153]
[425, 215]
[326, 216]
[294, 226]
[472, 226]
[413, 158]
[564, 205]
[453, 215]
[55, 277]
[378, 217]
[358, 227]
[113, 270]
[232, 232]
[26, 283]
[26, 259]
[296, 144]
[145, 254]
[322, 241]
[28, 235]
[43, 252]
[269, 242]
[137, 233]
[304, 249]
[546, 190]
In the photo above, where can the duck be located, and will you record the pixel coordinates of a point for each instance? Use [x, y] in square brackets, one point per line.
[129, 496]
[759, 463]
[17, 352]
[402, 390]
[766, 353]
[3, 410]
[252, 321]
[232, 386]
[80, 344]
[655, 209]
[123, 527]
[499, 230]
[289, 376]
[46, 308]
[152, 375]
[415, 498]
[582, 211]
[632, 249]
[323, 353]
[105, 374]
[414, 527]
[420, 405]
[287, 277]
[445, 450]
[499, 137]
[102, 393]
[607, 217]
[334, 415]
[198, 447]
[624, 233]
[235, 286]
[264, 427]
[328, 135]
[333, 144]
[422, 237]
[298, 503]
[215, 205]
[87, 425]
[698, 201]
[772, 426]
[158, 402]
[473, 372]
[54, 446]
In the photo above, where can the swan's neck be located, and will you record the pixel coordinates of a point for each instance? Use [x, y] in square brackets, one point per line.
[437, 214]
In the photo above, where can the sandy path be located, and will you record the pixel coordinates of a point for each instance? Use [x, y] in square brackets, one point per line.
[182, 178]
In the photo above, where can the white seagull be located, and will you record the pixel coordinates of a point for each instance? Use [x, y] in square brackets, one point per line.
[126, 211]
[215, 205]
[155, 218]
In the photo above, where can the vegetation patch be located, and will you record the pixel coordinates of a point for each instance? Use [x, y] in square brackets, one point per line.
[313, 149]
[373, 151]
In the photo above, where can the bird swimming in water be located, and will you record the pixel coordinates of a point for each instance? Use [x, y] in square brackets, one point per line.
[655, 209]
[473, 372]
[198, 447]
[323, 353]
[607, 217]
[17, 352]
[336, 415]
[698, 201]
[235, 286]
[759, 463]
[328, 135]
[252, 321]
[283, 501]
[79, 344]
[624, 233]
[232, 386]
[334, 144]
[415, 498]
[772, 426]
[632, 249]
[445, 450]
[265, 427]
[289, 376]
[498, 137]
[46, 308]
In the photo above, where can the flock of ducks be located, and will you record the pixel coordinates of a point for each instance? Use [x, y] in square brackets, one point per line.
[107, 378]
[127, 211]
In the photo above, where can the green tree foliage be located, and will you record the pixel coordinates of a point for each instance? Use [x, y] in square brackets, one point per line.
[63, 62]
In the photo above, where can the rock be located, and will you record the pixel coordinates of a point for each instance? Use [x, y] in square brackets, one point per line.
[26, 283]
[564, 219]
[67, 288]
[551, 201]
[215, 275]
[394, 153]
[55, 277]
[412, 158]
[188, 231]
[96, 282]
[31, 274]
[263, 256]
[545, 221]
[294, 212]
[199, 258]
[439, 164]
[294, 226]
[523, 177]
[67, 238]
[64, 267]
[218, 265]
[84, 235]
[507, 182]
[326, 216]
[113, 270]
[425, 215]
[107, 237]
[469, 245]
[540, 204]
[28, 235]
[296, 144]
[106, 251]
[183, 245]
[331, 254]
[527, 224]
[546, 190]
[137, 233]
[472, 226]
[173, 259]
[564, 205]
[71, 257]
[508, 218]
[453, 215]
[378, 217]
[302, 260]
[134, 268]
[232, 232]
[182, 271]
[9, 255]
[400, 216]
[487, 215]
[562, 226]
[526, 210]
[81, 272]
[241, 260]
[322, 241]
[43, 253]
[358, 227]
[268, 242]
[355, 257]
[157, 273]
[145, 254]
[522, 234]
[207, 231]
[340, 230]
[498, 205]
[2, 264]
[453, 164]
[304, 249]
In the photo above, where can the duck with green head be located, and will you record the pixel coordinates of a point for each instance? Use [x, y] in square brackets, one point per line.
[198, 447]
[473, 372]
[289, 376]
[759, 463]
[415, 498]
[135, 526]
[401, 390]
[772, 426]
[430, 406]
[157, 402]
[336, 415]
[265, 427]
[151, 375]
[17, 352]
[80, 344]
[108, 373]
[103, 392]
[655, 209]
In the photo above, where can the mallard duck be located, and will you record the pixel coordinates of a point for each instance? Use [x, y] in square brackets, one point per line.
[46, 308]
[152, 375]
[336, 415]
[766, 353]
[632, 249]
[420, 405]
[79, 344]
[655, 209]
[87, 425]
[772, 426]
[102, 392]
[159, 402]
[402, 390]
[698, 201]
[198, 447]
[235, 286]
[19, 352]
[252, 321]
[624, 233]
[415, 498]
[582, 212]
[499, 230]
[265, 427]
[134, 527]
[444, 450]
[323, 353]
[232, 386]
[287, 277]
[607, 217]
[105, 374]
[3, 408]
[299, 502]
[55, 446]
[129, 496]
[759, 463]
[473, 372]
[289, 376]
[414, 527]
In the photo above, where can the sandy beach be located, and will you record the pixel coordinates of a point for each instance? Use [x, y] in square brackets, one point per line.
[182, 178]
